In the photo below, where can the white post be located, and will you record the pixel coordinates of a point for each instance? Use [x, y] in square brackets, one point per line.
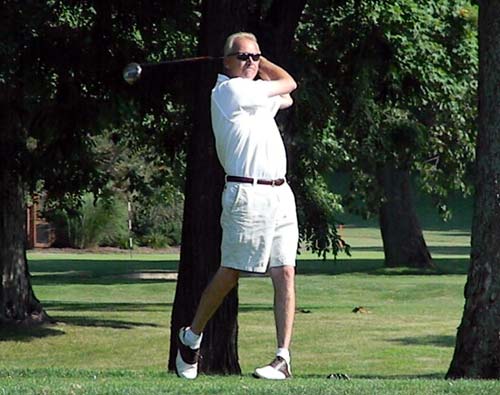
[130, 243]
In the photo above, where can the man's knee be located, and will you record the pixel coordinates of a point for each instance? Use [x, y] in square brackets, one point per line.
[283, 275]
[229, 276]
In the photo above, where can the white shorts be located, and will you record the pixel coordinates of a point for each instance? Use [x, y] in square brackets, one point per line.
[259, 227]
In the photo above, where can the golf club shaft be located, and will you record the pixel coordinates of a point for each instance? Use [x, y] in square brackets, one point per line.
[133, 71]
[185, 60]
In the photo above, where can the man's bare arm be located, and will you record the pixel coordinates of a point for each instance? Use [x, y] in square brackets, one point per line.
[281, 83]
[286, 101]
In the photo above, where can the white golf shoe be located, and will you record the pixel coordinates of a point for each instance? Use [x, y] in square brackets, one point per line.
[186, 361]
[278, 369]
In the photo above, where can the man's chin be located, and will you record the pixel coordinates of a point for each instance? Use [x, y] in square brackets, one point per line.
[249, 74]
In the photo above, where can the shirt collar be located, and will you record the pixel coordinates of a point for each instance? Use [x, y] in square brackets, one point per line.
[222, 78]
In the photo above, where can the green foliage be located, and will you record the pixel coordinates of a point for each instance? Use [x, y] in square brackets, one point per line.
[314, 151]
[380, 80]
[93, 223]
[316, 209]
[153, 183]
[78, 126]
[158, 218]
[397, 78]
[61, 84]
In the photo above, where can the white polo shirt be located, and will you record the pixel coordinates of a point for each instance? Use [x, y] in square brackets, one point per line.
[248, 141]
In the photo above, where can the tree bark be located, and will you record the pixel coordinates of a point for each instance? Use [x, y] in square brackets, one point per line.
[201, 235]
[402, 236]
[277, 30]
[18, 304]
[477, 348]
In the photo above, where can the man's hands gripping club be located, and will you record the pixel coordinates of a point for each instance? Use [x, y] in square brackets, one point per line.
[281, 83]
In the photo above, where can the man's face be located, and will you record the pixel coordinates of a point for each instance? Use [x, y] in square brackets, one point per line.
[242, 68]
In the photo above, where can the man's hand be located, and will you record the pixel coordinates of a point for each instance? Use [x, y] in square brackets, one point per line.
[262, 70]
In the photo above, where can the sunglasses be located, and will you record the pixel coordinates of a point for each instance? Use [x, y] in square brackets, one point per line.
[245, 56]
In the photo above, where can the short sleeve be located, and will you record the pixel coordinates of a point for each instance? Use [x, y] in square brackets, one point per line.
[275, 104]
[253, 93]
[237, 94]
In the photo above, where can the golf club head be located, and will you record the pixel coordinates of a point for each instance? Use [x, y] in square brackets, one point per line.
[132, 72]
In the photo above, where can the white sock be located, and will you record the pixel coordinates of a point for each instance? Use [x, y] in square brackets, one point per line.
[191, 339]
[284, 353]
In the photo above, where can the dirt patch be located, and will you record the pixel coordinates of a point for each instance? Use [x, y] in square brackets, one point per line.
[150, 275]
[108, 250]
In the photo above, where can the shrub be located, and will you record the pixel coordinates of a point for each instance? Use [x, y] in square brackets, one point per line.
[95, 222]
[158, 219]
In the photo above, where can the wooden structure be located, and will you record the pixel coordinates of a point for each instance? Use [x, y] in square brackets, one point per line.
[39, 232]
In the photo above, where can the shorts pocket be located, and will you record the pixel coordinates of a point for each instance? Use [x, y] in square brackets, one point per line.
[233, 197]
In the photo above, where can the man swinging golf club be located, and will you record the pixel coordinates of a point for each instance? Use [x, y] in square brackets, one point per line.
[259, 220]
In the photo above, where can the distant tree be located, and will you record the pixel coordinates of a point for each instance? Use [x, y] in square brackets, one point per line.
[392, 93]
[477, 349]
[60, 85]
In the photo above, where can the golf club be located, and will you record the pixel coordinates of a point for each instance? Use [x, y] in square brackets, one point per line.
[133, 71]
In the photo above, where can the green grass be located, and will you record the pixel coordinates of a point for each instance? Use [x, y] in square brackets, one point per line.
[145, 382]
[113, 331]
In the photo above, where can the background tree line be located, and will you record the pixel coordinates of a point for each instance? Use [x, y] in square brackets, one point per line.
[385, 86]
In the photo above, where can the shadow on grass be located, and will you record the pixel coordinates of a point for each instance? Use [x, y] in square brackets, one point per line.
[452, 233]
[101, 267]
[65, 279]
[442, 250]
[100, 323]
[113, 306]
[55, 272]
[248, 308]
[429, 340]
[27, 334]
[101, 272]
[450, 250]
[339, 266]
[376, 267]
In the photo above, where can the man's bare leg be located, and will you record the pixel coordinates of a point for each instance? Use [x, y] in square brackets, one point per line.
[284, 314]
[223, 282]
[284, 303]
[189, 341]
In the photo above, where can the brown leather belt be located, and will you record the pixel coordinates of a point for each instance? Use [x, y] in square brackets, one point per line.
[249, 180]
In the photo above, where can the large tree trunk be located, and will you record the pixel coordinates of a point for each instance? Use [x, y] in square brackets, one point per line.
[404, 243]
[477, 349]
[201, 235]
[18, 304]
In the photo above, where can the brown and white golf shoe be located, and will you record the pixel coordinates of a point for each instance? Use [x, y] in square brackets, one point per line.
[278, 369]
[186, 361]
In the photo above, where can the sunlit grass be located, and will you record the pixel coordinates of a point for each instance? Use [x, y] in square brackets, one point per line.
[113, 331]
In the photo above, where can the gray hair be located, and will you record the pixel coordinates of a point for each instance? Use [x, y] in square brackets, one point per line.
[228, 46]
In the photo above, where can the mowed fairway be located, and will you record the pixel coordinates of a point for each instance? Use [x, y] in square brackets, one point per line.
[113, 330]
